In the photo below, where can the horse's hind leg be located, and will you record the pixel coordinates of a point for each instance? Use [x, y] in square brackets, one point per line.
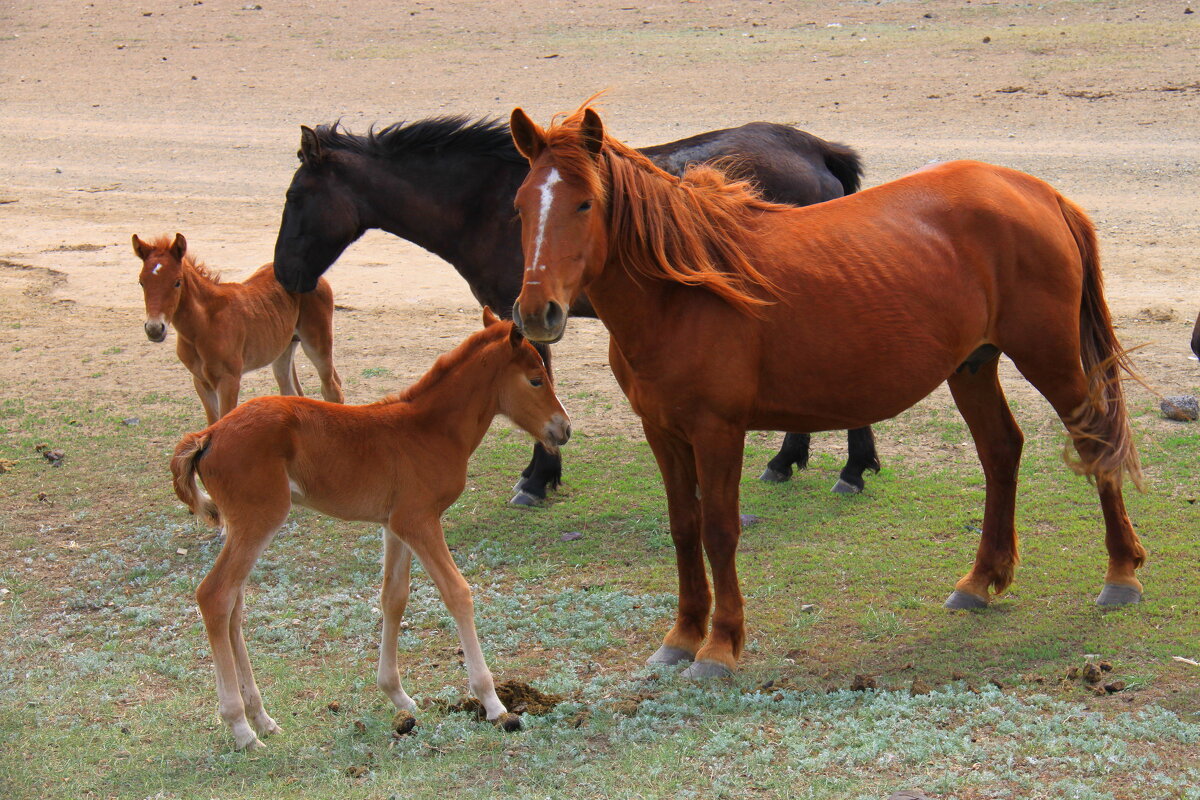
[397, 560]
[315, 329]
[284, 368]
[1065, 386]
[998, 441]
[862, 457]
[794, 450]
[251, 697]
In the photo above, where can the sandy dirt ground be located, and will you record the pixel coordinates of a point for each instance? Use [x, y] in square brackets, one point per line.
[155, 117]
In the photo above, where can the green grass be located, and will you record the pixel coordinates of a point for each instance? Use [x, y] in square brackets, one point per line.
[105, 678]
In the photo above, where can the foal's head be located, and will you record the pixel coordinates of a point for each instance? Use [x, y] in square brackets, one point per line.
[526, 394]
[161, 281]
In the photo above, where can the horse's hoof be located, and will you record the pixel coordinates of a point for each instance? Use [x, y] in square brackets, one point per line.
[524, 499]
[704, 670]
[965, 600]
[670, 655]
[1116, 594]
[774, 476]
[508, 721]
[844, 487]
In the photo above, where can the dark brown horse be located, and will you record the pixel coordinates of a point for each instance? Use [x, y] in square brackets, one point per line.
[717, 300]
[447, 185]
[1196, 337]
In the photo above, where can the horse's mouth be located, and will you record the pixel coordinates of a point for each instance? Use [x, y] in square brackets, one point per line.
[157, 338]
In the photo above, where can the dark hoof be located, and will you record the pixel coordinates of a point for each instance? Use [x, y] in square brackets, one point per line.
[508, 721]
[965, 600]
[842, 487]
[1115, 594]
[774, 476]
[704, 670]
[670, 655]
[524, 499]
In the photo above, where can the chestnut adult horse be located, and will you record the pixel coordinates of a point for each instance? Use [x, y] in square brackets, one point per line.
[400, 462]
[728, 313]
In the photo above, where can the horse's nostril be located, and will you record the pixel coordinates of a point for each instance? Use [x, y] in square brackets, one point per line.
[554, 316]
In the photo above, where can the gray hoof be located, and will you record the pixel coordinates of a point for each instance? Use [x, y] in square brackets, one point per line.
[523, 499]
[669, 655]
[773, 476]
[841, 487]
[964, 600]
[704, 670]
[1115, 594]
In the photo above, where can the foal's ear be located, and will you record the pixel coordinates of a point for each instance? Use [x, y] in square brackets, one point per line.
[489, 318]
[592, 131]
[527, 136]
[310, 146]
[140, 248]
[178, 247]
[515, 337]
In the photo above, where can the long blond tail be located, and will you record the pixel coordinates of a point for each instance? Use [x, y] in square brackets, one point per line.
[183, 469]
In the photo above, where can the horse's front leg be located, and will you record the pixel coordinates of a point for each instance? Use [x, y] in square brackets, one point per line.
[677, 463]
[718, 449]
[228, 387]
[208, 399]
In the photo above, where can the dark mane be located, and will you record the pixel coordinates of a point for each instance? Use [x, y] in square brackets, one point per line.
[164, 243]
[687, 229]
[487, 137]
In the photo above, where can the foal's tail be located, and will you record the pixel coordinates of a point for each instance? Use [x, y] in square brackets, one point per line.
[183, 467]
[1102, 418]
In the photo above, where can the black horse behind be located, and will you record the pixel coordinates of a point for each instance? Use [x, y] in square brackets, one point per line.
[447, 184]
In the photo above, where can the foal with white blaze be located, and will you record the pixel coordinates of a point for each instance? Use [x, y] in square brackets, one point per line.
[399, 462]
[228, 329]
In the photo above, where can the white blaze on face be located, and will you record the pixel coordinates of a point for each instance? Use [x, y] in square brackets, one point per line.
[543, 214]
[157, 267]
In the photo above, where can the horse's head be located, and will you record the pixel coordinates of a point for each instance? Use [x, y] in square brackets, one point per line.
[161, 281]
[320, 217]
[526, 393]
[564, 228]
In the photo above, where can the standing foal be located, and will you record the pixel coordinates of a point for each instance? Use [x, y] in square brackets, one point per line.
[400, 462]
[228, 329]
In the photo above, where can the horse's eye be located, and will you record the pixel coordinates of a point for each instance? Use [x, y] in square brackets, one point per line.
[535, 382]
[178, 284]
[586, 205]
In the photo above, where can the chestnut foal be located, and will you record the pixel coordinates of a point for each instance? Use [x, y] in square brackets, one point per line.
[399, 462]
[228, 329]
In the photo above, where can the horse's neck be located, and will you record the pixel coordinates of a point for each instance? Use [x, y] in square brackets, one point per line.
[195, 301]
[429, 201]
[627, 306]
[459, 405]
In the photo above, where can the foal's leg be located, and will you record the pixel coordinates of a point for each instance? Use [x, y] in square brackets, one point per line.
[718, 469]
[284, 368]
[315, 329]
[251, 697]
[998, 441]
[429, 545]
[677, 464]
[228, 387]
[219, 597]
[397, 559]
[208, 399]
[794, 450]
[862, 457]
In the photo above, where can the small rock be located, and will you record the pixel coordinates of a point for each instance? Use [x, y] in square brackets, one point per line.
[987, 39]
[908, 794]
[808, 608]
[403, 723]
[1114, 687]
[131, 421]
[335, 706]
[1091, 673]
[570, 536]
[1180, 407]
[862, 683]
[43, 497]
[55, 456]
[919, 687]
[750, 519]
[1106, 666]
[356, 771]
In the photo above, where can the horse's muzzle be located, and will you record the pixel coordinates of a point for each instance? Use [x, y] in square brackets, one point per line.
[557, 432]
[544, 327]
[155, 331]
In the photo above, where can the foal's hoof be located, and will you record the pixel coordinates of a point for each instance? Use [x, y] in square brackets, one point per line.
[670, 655]
[965, 600]
[845, 487]
[508, 722]
[1116, 594]
[774, 476]
[705, 670]
[524, 499]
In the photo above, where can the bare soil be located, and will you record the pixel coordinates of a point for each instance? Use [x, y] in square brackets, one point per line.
[155, 117]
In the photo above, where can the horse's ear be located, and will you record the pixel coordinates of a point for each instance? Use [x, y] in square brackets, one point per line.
[592, 131]
[515, 337]
[179, 247]
[140, 248]
[489, 318]
[310, 146]
[527, 136]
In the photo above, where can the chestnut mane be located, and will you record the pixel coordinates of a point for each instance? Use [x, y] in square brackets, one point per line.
[470, 348]
[688, 230]
[189, 263]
